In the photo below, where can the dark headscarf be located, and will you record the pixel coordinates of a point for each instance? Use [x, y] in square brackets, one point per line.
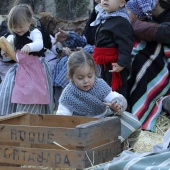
[141, 8]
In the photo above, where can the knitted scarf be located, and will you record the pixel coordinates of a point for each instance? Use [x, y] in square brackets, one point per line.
[86, 103]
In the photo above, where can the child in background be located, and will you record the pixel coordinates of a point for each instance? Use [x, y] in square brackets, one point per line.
[27, 86]
[113, 44]
[50, 50]
[6, 62]
[87, 95]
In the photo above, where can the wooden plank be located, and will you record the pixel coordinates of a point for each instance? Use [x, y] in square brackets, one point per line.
[103, 153]
[32, 168]
[89, 135]
[21, 168]
[100, 131]
[40, 135]
[59, 121]
[17, 118]
[59, 158]
[42, 157]
[98, 122]
[23, 118]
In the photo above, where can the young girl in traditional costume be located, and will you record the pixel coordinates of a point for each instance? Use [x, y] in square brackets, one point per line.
[87, 95]
[27, 87]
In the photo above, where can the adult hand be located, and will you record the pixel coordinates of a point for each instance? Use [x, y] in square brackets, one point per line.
[116, 68]
[61, 35]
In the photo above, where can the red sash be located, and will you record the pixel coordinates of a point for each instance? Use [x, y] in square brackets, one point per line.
[108, 55]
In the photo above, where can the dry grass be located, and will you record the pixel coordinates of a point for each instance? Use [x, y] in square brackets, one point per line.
[162, 124]
[147, 140]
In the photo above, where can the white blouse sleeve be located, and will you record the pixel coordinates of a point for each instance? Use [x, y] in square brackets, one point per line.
[10, 38]
[114, 96]
[36, 37]
[62, 110]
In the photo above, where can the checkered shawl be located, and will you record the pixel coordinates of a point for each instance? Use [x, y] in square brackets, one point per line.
[103, 15]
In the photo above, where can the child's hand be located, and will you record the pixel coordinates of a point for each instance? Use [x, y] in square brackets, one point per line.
[25, 50]
[116, 68]
[79, 48]
[4, 53]
[61, 35]
[68, 51]
[114, 106]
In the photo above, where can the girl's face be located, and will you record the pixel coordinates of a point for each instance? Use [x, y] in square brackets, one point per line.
[112, 5]
[84, 77]
[21, 30]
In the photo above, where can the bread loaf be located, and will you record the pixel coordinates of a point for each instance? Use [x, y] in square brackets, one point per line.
[7, 47]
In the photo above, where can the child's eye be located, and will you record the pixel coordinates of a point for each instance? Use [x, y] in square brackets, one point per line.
[90, 76]
[80, 78]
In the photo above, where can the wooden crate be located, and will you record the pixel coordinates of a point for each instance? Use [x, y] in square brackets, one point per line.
[58, 141]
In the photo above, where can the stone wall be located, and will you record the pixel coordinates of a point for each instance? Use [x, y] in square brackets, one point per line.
[63, 9]
[53, 17]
